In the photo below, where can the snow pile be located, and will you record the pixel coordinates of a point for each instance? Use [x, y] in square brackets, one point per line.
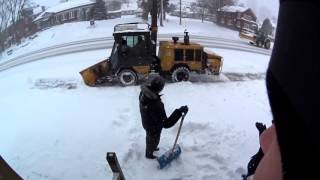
[233, 9]
[61, 133]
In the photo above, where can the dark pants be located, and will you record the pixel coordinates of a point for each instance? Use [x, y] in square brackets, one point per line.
[152, 141]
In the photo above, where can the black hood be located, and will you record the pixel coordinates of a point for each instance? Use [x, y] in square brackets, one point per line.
[148, 95]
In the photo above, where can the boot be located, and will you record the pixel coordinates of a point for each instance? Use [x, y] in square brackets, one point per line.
[150, 155]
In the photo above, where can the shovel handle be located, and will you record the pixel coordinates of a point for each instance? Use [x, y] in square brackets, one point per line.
[175, 142]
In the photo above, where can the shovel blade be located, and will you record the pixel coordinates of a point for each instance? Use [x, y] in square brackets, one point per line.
[169, 156]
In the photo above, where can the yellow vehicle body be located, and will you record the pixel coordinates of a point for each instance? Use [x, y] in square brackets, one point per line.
[172, 55]
[191, 55]
[247, 35]
[92, 74]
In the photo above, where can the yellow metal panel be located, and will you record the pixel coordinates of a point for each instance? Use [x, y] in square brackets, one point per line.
[194, 65]
[142, 69]
[166, 58]
[89, 77]
[215, 64]
[92, 73]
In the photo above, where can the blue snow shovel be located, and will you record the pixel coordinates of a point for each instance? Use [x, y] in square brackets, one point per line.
[173, 153]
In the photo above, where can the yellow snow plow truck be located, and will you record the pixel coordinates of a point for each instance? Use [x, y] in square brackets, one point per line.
[134, 57]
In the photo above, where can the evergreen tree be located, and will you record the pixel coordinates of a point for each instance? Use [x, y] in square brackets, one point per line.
[267, 26]
[99, 10]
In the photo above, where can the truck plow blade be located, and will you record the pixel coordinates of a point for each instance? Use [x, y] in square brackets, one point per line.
[92, 74]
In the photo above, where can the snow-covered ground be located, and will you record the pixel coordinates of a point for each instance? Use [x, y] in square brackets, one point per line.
[61, 133]
[77, 31]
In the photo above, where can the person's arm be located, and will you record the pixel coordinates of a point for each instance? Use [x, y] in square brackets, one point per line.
[160, 114]
[270, 165]
[173, 119]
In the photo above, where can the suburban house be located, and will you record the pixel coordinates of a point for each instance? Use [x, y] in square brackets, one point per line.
[129, 9]
[69, 11]
[237, 17]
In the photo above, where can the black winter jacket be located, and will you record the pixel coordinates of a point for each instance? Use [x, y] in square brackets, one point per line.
[152, 111]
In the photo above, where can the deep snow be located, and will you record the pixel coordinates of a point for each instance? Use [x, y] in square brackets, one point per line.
[58, 133]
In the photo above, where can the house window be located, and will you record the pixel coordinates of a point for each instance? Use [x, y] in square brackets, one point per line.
[75, 12]
[189, 55]
[246, 25]
[57, 18]
[198, 55]
[178, 54]
[238, 24]
[246, 16]
[222, 20]
[230, 22]
[63, 17]
[71, 14]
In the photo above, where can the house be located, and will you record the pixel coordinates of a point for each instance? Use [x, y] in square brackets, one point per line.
[237, 17]
[114, 14]
[129, 9]
[70, 11]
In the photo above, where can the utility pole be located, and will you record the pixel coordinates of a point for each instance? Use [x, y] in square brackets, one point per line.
[154, 26]
[161, 13]
[180, 13]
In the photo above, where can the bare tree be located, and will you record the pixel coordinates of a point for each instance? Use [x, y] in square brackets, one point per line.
[10, 14]
[4, 22]
[4, 15]
[15, 8]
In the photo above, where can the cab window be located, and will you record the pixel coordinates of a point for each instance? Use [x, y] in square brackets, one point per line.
[132, 41]
[178, 54]
[189, 55]
[198, 55]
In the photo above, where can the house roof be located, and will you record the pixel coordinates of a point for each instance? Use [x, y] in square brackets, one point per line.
[232, 9]
[65, 6]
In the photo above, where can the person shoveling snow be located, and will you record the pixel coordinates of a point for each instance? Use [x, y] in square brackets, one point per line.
[153, 114]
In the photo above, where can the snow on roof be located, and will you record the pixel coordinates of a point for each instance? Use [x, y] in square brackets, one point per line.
[65, 6]
[138, 27]
[37, 10]
[116, 11]
[253, 22]
[233, 9]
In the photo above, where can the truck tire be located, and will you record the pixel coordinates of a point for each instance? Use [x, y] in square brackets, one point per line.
[180, 74]
[267, 44]
[127, 77]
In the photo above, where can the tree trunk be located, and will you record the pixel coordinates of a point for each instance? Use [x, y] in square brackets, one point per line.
[164, 14]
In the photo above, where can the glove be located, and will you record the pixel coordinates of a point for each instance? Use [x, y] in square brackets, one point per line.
[184, 109]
